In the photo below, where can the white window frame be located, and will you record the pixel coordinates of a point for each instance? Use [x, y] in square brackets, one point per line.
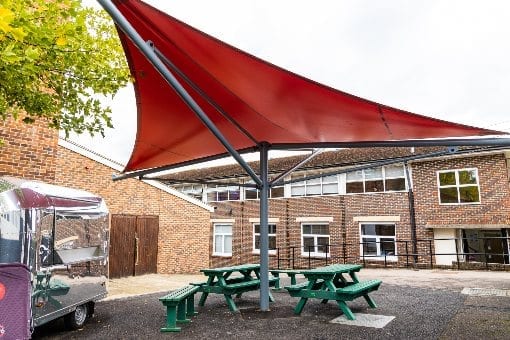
[315, 253]
[457, 185]
[257, 251]
[320, 182]
[223, 188]
[379, 256]
[223, 235]
[383, 178]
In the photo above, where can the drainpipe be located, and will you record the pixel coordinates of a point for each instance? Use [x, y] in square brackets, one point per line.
[412, 217]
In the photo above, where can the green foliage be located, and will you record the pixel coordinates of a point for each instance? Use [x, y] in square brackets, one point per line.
[56, 59]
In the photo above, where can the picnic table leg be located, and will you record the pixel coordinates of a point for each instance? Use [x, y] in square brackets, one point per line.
[202, 299]
[301, 304]
[347, 311]
[277, 283]
[354, 277]
[271, 298]
[292, 278]
[171, 316]
[230, 302]
[370, 302]
[190, 306]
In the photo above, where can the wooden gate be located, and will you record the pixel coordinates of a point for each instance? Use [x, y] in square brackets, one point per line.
[133, 245]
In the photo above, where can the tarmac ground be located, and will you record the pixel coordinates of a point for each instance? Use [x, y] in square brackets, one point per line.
[411, 304]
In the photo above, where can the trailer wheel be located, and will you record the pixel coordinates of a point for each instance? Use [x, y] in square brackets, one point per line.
[76, 319]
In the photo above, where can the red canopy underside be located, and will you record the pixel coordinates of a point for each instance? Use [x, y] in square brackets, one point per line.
[270, 104]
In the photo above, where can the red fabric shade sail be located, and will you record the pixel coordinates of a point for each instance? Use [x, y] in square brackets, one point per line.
[260, 102]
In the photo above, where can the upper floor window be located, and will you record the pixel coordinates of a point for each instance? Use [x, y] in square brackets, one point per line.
[325, 185]
[223, 193]
[222, 240]
[272, 238]
[315, 239]
[193, 190]
[251, 193]
[379, 179]
[458, 186]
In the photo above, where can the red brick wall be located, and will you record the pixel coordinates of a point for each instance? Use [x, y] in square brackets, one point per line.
[28, 150]
[494, 207]
[342, 208]
[184, 227]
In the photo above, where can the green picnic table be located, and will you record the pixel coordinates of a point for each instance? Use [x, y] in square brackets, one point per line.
[234, 280]
[329, 283]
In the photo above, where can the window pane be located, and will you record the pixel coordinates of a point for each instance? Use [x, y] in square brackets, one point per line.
[330, 188]
[355, 176]
[223, 196]
[272, 228]
[234, 195]
[251, 194]
[467, 177]
[395, 184]
[313, 189]
[211, 196]
[374, 186]
[387, 246]
[223, 229]
[469, 194]
[308, 243]
[307, 229]
[330, 179]
[368, 229]
[448, 195]
[323, 243]
[373, 173]
[218, 244]
[385, 230]
[257, 229]
[277, 192]
[257, 242]
[393, 171]
[228, 244]
[369, 246]
[272, 242]
[314, 181]
[447, 178]
[297, 191]
[354, 187]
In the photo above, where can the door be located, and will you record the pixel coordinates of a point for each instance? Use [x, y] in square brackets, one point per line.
[133, 245]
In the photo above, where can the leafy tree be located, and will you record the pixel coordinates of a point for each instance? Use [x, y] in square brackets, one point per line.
[56, 59]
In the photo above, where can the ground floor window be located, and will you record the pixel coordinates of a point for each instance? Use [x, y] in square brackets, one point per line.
[491, 246]
[378, 240]
[272, 238]
[315, 239]
[222, 240]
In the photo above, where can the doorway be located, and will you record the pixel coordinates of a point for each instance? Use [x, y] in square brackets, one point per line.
[133, 245]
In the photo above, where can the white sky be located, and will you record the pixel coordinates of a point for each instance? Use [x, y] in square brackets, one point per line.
[443, 59]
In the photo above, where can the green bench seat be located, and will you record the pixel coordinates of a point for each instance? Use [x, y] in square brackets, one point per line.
[355, 290]
[296, 288]
[179, 304]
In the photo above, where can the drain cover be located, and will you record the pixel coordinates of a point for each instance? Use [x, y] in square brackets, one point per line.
[486, 292]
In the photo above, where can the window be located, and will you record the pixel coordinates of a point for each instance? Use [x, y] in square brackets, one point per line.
[193, 190]
[251, 193]
[222, 240]
[223, 193]
[379, 179]
[378, 240]
[458, 186]
[315, 239]
[326, 185]
[272, 238]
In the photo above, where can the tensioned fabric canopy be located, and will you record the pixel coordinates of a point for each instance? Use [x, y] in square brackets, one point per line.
[248, 99]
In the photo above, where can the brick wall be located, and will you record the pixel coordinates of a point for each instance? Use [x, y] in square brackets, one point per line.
[494, 207]
[340, 208]
[183, 240]
[28, 150]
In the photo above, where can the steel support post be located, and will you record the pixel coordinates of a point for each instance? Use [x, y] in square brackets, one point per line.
[264, 236]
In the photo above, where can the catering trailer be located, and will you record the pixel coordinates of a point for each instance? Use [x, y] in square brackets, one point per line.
[53, 255]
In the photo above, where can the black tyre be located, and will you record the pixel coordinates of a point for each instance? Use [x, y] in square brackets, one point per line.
[76, 319]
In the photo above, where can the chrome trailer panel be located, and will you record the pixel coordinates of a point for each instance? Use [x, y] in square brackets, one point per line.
[61, 235]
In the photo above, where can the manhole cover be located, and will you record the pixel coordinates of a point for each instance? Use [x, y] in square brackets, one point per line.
[486, 292]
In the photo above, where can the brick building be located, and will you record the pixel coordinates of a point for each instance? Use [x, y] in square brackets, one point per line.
[177, 243]
[457, 213]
